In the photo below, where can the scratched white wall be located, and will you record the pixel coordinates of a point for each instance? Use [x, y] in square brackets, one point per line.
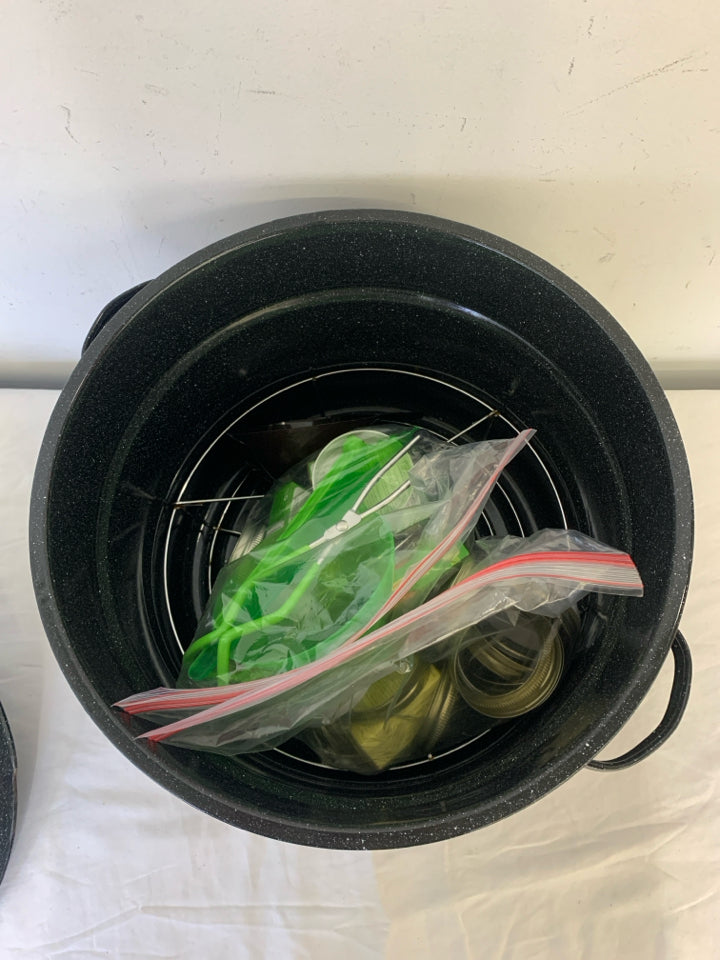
[135, 133]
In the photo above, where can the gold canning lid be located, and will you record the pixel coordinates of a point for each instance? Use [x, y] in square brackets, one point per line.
[400, 717]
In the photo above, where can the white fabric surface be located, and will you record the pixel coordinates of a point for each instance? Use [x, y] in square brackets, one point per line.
[108, 864]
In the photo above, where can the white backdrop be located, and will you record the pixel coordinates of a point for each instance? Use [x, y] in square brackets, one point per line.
[133, 134]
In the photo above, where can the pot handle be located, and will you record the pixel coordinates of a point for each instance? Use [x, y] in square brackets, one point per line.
[673, 714]
[109, 311]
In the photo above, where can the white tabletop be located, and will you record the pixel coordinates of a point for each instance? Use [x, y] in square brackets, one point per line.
[108, 864]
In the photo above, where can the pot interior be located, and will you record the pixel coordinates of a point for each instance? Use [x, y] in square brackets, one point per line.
[187, 397]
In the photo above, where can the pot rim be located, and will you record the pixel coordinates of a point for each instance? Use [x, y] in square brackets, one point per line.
[379, 836]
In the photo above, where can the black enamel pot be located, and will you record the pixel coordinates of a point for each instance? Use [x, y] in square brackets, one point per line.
[324, 319]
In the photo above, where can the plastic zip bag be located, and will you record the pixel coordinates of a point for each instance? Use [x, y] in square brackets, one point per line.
[545, 573]
[386, 512]
[336, 559]
[503, 667]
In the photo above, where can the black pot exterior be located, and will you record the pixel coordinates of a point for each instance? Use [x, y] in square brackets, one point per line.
[357, 313]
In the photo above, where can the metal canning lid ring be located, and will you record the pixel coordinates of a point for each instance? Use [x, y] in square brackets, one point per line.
[438, 714]
[490, 699]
